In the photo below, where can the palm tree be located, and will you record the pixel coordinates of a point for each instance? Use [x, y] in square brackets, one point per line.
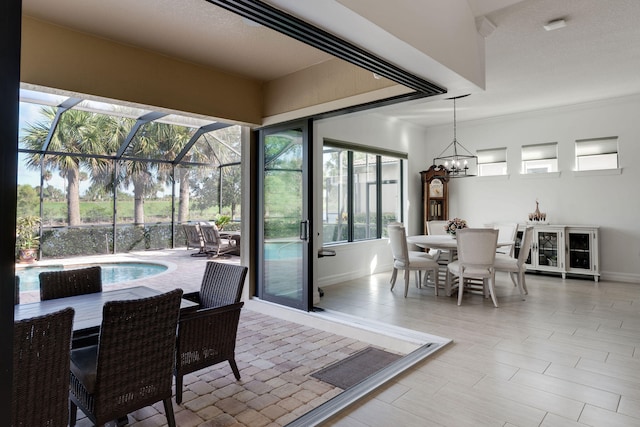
[74, 130]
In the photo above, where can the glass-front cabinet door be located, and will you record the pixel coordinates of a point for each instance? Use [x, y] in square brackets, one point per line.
[548, 249]
[582, 251]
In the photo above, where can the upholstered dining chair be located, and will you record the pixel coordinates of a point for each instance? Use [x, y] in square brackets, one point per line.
[403, 260]
[436, 227]
[434, 254]
[41, 347]
[506, 233]
[516, 267]
[476, 256]
[131, 367]
[66, 283]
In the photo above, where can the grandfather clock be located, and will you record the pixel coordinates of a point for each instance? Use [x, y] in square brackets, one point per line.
[435, 195]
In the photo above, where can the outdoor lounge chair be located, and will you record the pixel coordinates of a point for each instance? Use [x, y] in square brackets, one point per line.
[214, 245]
[194, 239]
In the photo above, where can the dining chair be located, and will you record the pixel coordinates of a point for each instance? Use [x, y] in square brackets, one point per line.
[131, 367]
[476, 256]
[40, 393]
[403, 260]
[221, 284]
[66, 283]
[206, 337]
[434, 254]
[506, 233]
[436, 227]
[516, 267]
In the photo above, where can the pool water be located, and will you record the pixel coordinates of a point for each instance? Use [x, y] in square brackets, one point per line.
[111, 273]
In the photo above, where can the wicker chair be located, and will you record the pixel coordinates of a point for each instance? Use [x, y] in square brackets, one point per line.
[132, 365]
[205, 338]
[221, 285]
[41, 347]
[66, 283]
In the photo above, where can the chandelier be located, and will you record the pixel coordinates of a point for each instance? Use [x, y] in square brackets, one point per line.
[456, 159]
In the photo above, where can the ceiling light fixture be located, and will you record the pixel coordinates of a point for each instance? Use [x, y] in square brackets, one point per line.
[459, 160]
[555, 24]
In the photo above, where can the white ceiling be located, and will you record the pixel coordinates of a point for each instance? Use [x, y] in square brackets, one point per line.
[596, 56]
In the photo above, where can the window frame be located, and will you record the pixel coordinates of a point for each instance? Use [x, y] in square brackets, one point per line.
[351, 149]
[494, 157]
[593, 148]
[539, 156]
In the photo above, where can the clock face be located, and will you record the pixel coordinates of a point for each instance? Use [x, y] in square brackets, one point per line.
[436, 188]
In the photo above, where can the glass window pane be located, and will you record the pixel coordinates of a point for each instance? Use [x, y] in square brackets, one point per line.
[540, 151]
[597, 153]
[364, 195]
[334, 203]
[35, 122]
[391, 192]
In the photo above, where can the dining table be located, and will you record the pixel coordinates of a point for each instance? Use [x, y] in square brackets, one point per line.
[88, 307]
[449, 247]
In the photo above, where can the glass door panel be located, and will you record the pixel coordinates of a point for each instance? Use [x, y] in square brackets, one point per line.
[580, 250]
[548, 248]
[284, 253]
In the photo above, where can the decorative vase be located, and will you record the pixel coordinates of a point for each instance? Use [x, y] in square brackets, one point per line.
[27, 256]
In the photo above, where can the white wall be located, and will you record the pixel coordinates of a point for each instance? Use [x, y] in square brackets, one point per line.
[610, 200]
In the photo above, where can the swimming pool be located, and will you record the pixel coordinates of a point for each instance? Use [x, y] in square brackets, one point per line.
[114, 272]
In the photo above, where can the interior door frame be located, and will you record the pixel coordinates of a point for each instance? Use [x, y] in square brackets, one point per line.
[306, 302]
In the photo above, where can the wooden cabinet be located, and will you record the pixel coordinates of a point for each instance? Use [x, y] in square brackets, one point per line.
[563, 249]
[435, 195]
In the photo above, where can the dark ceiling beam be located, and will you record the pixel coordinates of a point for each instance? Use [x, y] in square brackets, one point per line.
[149, 117]
[201, 131]
[64, 106]
[298, 29]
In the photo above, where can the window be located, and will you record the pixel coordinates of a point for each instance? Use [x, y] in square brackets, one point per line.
[597, 153]
[492, 162]
[540, 158]
[361, 192]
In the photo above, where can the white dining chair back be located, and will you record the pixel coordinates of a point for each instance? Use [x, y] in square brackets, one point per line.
[408, 261]
[436, 227]
[506, 233]
[476, 256]
[516, 267]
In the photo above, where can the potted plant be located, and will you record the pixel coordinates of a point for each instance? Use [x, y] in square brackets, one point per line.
[27, 237]
[222, 220]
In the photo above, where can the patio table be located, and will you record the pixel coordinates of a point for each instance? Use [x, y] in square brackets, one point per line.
[88, 307]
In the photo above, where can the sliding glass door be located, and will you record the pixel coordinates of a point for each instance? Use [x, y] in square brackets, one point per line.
[284, 227]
